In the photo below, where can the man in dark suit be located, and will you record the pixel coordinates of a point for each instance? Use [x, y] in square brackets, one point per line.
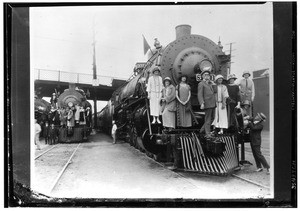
[207, 100]
[255, 134]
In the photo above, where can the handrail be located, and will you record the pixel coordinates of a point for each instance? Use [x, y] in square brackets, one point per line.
[63, 76]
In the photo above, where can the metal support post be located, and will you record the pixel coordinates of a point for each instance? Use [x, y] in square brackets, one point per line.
[95, 112]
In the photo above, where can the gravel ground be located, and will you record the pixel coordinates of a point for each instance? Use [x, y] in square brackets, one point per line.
[101, 169]
[48, 166]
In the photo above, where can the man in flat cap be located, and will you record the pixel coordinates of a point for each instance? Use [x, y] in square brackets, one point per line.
[255, 135]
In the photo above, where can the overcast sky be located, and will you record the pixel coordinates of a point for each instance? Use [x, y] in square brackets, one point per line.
[61, 37]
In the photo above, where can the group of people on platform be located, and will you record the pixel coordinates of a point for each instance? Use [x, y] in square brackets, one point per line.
[220, 103]
[68, 117]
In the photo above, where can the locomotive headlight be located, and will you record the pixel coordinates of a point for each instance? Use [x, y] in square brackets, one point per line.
[205, 65]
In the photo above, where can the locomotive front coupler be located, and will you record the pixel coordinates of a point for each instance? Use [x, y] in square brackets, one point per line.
[167, 136]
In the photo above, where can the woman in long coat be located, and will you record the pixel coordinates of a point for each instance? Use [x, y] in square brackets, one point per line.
[234, 100]
[221, 120]
[183, 96]
[168, 104]
[154, 89]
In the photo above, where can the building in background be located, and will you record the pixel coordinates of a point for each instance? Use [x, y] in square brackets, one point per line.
[262, 94]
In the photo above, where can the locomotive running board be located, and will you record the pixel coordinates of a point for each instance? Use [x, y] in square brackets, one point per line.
[195, 160]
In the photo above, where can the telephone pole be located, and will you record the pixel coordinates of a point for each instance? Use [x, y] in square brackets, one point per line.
[94, 57]
[230, 53]
[95, 82]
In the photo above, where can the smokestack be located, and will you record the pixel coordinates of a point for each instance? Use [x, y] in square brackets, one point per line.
[182, 30]
[72, 86]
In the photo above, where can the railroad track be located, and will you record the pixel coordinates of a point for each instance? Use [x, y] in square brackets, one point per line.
[63, 170]
[187, 179]
[59, 147]
[43, 153]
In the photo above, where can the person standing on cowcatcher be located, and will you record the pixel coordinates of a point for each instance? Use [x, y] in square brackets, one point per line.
[168, 104]
[154, 89]
[183, 96]
[255, 135]
[207, 101]
[234, 101]
[220, 120]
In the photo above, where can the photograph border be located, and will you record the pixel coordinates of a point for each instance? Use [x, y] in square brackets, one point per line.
[17, 124]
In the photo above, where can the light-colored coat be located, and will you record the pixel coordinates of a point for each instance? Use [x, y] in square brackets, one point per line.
[247, 90]
[169, 106]
[154, 89]
[221, 120]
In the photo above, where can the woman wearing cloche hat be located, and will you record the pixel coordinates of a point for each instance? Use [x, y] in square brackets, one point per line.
[247, 89]
[221, 120]
[168, 104]
[183, 96]
[154, 88]
[234, 99]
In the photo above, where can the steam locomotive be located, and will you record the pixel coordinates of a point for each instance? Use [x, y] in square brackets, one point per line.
[55, 113]
[189, 54]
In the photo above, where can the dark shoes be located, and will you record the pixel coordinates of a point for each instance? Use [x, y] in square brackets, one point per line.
[260, 169]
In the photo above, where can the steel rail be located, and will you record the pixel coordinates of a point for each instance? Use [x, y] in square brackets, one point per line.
[234, 175]
[45, 152]
[187, 179]
[63, 170]
[160, 164]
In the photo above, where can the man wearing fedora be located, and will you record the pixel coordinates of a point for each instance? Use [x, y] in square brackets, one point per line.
[154, 89]
[207, 100]
[255, 135]
[247, 90]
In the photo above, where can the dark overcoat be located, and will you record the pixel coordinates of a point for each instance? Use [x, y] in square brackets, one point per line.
[255, 133]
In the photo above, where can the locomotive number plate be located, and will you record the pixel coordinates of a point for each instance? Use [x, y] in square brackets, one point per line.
[198, 77]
